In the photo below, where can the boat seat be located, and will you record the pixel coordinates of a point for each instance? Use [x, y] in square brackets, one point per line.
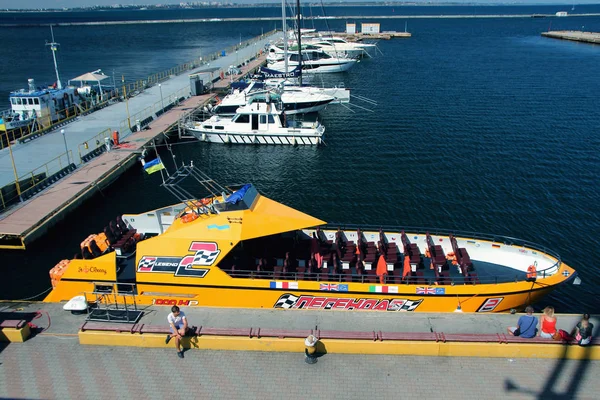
[277, 271]
[463, 256]
[322, 276]
[96, 252]
[371, 276]
[300, 273]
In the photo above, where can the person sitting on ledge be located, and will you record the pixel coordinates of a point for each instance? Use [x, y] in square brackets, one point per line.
[583, 331]
[548, 323]
[526, 326]
[179, 324]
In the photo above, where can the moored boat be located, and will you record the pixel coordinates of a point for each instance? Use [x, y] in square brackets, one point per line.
[238, 248]
[258, 123]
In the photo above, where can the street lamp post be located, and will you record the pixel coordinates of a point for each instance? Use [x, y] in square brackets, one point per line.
[66, 148]
[162, 103]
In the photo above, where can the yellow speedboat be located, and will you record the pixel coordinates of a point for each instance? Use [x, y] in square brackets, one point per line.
[238, 248]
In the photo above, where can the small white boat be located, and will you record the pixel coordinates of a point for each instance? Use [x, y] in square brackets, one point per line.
[340, 49]
[258, 123]
[298, 100]
[315, 62]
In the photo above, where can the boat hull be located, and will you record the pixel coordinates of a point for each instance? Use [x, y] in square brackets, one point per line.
[326, 295]
[257, 138]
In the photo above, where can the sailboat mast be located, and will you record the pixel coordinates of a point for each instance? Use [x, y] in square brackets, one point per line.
[285, 40]
[299, 41]
[54, 48]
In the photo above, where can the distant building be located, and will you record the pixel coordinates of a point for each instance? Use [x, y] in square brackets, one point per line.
[561, 14]
[370, 28]
[351, 29]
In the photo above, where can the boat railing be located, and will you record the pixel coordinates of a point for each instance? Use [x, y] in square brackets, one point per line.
[500, 239]
[389, 279]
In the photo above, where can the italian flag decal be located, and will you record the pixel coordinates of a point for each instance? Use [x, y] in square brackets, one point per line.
[383, 289]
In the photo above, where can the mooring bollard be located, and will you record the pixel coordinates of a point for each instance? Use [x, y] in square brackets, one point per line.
[310, 349]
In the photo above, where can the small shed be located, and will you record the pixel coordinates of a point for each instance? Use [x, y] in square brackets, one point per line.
[370, 28]
[350, 29]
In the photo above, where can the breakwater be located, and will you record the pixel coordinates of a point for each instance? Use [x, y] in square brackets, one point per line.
[317, 18]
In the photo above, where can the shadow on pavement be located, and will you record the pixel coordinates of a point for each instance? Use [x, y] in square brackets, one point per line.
[547, 392]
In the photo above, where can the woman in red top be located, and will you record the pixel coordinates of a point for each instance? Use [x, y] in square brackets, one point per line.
[548, 323]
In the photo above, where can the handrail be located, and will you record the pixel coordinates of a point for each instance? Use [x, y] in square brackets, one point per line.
[372, 279]
[96, 142]
[131, 89]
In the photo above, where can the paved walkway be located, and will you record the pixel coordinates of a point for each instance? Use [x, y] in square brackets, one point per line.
[57, 367]
[53, 365]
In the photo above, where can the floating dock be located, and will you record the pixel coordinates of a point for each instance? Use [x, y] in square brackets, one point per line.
[88, 167]
[576, 36]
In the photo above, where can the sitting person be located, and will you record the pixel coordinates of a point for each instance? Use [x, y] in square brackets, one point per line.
[178, 324]
[526, 326]
[548, 323]
[583, 330]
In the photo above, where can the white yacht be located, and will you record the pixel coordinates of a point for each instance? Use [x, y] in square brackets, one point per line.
[315, 62]
[340, 49]
[258, 123]
[297, 100]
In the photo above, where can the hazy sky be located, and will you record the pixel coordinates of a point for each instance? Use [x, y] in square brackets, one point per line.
[30, 4]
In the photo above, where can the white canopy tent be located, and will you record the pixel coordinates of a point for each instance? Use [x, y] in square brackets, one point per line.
[95, 76]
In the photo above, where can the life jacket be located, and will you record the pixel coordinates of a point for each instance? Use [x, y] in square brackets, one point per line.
[531, 272]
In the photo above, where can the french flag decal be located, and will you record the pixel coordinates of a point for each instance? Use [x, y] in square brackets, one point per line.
[284, 285]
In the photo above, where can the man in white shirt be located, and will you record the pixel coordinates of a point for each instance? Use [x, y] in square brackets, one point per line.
[179, 324]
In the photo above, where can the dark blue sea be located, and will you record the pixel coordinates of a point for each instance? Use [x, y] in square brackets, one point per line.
[480, 125]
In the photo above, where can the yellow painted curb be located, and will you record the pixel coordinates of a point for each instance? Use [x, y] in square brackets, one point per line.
[339, 346]
[14, 335]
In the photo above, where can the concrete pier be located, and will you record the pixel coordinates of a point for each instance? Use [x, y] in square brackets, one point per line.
[30, 219]
[576, 36]
[54, 363]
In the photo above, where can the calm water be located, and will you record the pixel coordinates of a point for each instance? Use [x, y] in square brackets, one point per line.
[480, 125]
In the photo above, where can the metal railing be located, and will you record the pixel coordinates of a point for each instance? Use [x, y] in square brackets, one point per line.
[92, 144]
[34, 180]
[354, 276]
[127, 89]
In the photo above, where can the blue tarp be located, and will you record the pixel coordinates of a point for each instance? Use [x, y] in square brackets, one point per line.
[239, 195]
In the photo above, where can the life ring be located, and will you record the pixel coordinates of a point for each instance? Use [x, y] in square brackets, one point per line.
[188, 217]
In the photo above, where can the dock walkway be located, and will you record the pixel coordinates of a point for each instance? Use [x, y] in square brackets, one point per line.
[29, 219]
[53, 364]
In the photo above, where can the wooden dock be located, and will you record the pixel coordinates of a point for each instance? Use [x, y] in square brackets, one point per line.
[576, 36]
[29, 220]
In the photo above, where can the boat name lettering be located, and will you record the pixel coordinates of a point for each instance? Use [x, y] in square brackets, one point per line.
[166, 264]
[93, 270]
[173, 302]
[178, 266]
[290, 301]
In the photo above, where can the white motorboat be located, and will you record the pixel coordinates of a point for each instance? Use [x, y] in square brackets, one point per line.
[337, 49]
[315, 62]
[258, 123]
[297, 100]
